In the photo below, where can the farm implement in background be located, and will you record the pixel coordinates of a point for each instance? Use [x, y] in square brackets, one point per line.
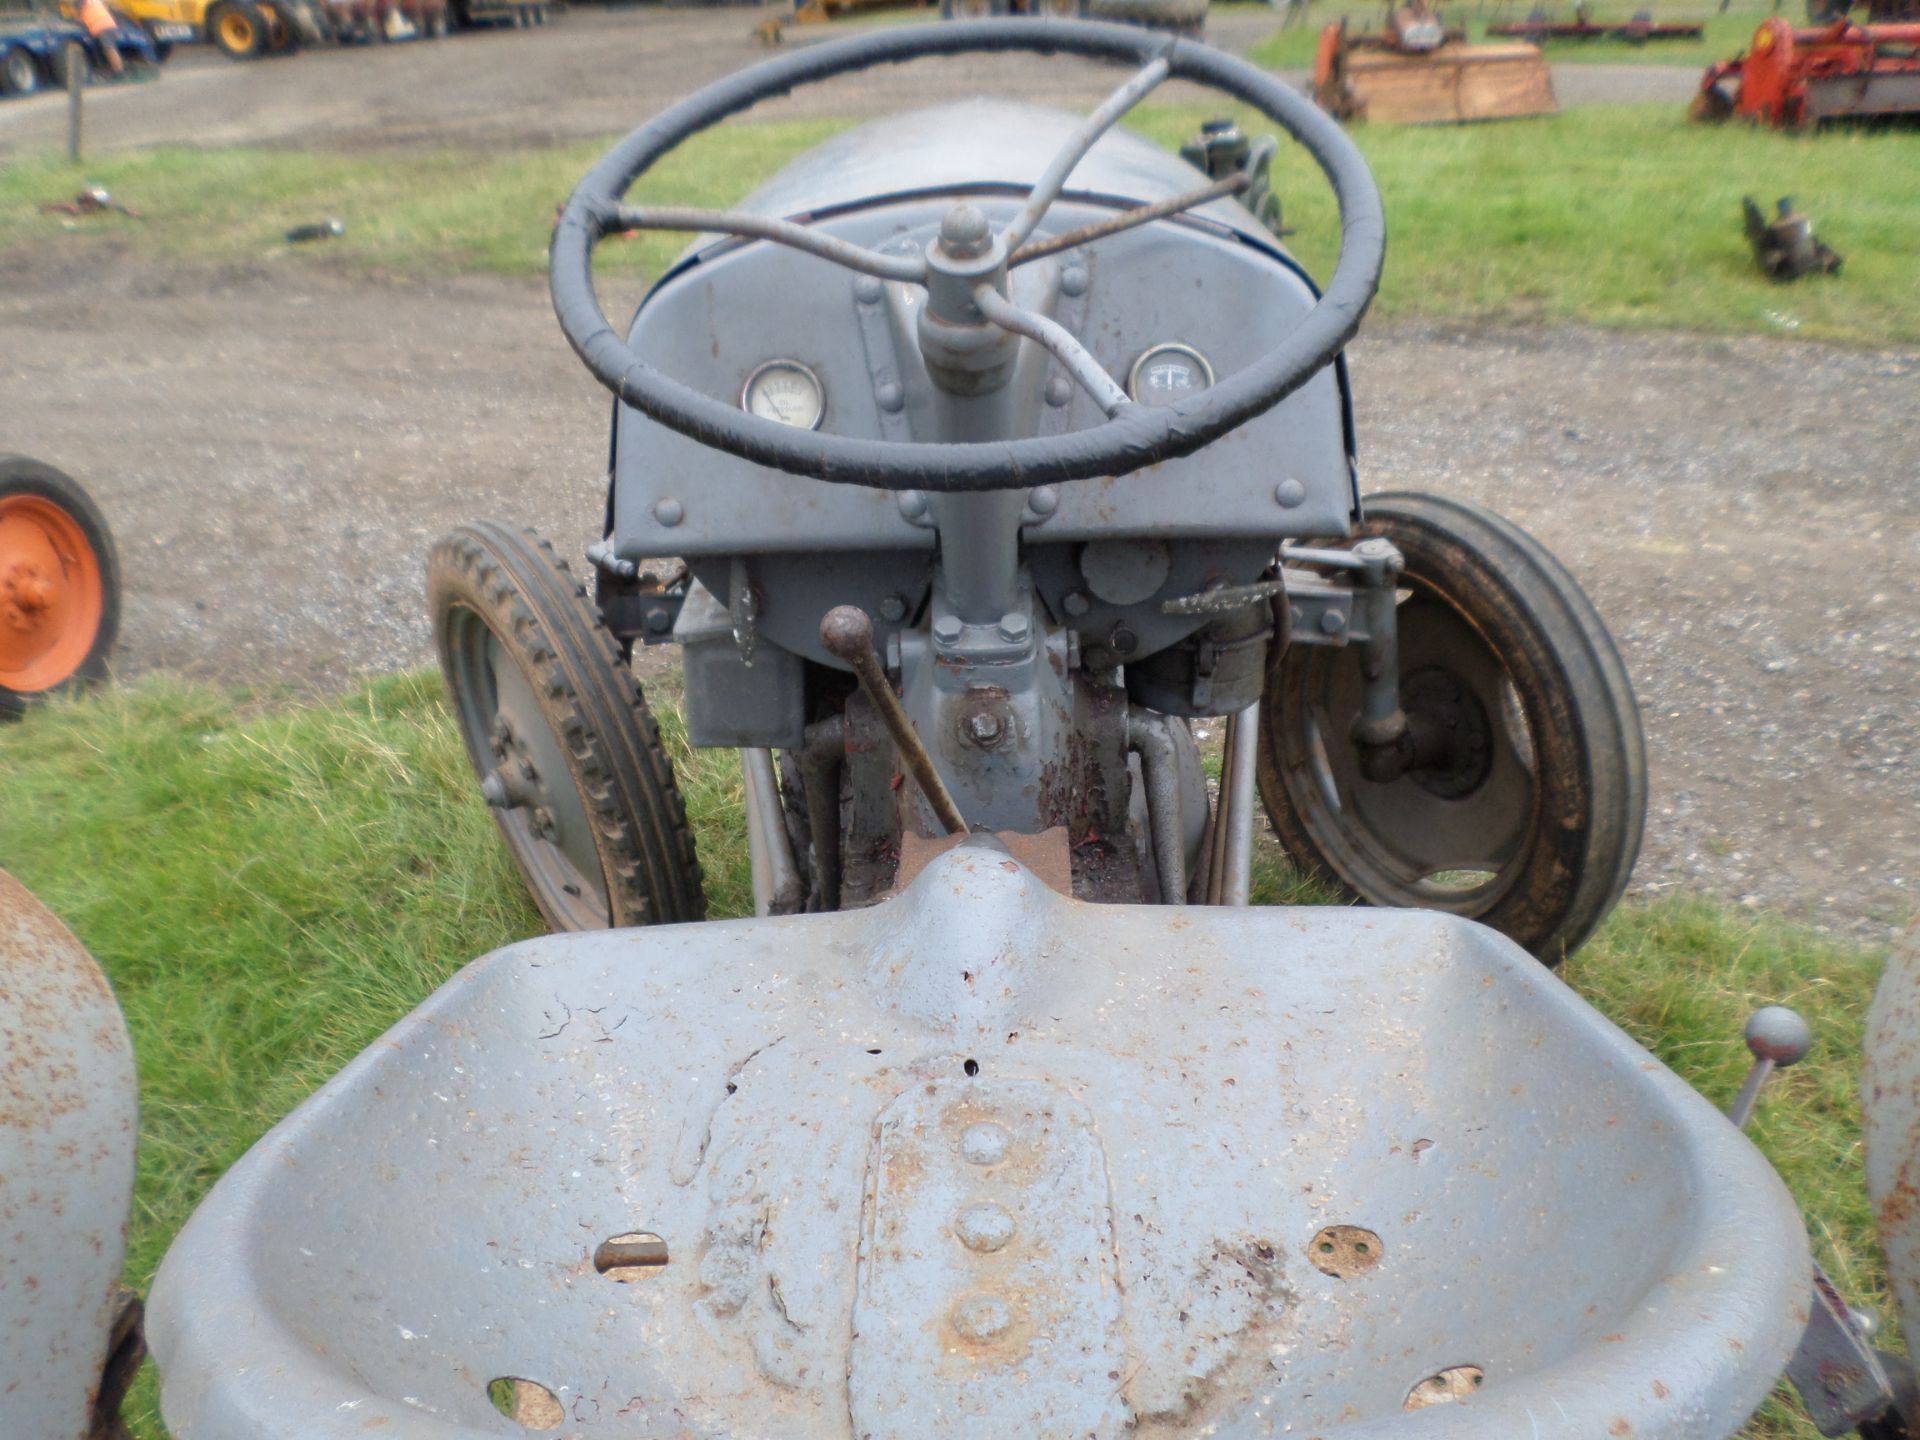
[1538, 28]
[1417, 70]
[1794, 79]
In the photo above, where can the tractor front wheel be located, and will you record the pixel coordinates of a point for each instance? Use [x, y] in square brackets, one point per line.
[1524, 806]
[59, 585]
[568, 754]
[239, 29]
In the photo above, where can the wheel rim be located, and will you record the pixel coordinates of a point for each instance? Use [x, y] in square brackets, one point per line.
[1453, 833]
[236, 30]
[19, 70]
[523, 766]
[52, 597]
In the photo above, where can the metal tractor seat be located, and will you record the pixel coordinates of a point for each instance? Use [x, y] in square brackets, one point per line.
[983, 1160]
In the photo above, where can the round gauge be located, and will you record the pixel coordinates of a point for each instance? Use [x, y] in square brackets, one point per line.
[786, 391]
[1168, 372]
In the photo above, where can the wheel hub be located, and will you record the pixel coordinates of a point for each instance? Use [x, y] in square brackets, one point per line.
[1452, 736]
[51, 595]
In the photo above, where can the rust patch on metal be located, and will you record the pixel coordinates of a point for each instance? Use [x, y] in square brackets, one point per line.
[1344, 1251]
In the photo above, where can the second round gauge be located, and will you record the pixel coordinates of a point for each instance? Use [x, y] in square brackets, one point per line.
[787, 392]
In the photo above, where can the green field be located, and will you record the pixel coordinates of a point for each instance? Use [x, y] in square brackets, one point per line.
[270, 889]
[1620, 217]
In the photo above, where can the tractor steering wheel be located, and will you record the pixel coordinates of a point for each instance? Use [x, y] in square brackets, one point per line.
[1133, 435]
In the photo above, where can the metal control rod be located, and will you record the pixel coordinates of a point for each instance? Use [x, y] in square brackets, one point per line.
[847, 633]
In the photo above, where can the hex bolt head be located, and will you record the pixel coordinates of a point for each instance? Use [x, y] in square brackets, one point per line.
[1073, 280]
[1013, 628]
[1043, 500]
[964, 232]
[947, 629]
[890, 396]
[669, 511]
[983, 728]
[1778, 1034]
[867, 289]
[1289, 493]
[893, 608]
[659, 621]
[1059, 391]
[1076, 603]
[1332, 621]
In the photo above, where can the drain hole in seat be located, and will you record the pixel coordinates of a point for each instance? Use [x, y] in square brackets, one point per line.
[629, 1257]
[1457, 1382]
[526, 1402]
[972, 1067]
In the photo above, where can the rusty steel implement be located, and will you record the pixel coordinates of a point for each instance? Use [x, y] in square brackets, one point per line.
[69, 1115]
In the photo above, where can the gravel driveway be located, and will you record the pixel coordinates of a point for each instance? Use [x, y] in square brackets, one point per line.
[284, 446]
[278, 446]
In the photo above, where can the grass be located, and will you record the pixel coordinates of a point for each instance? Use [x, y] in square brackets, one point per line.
[1619, 217]
[406, 213]
[269, 891]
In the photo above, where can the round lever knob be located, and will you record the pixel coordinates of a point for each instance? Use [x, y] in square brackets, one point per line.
[1778, 1034]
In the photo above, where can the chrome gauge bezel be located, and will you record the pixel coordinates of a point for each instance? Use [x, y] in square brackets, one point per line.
[760, 371]
[1163, 347]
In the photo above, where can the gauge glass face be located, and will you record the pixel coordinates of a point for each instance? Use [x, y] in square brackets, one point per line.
[785, 391]
[1168, 372]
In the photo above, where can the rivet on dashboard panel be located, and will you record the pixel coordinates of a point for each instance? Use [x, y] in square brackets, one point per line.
[1073, 280]
[912, 503]
[867, 289]
[1043, 500]
[1289, 493]
[890, 396]
[669, 511]
[1059, 391]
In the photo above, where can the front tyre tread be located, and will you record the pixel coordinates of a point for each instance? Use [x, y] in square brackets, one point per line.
[545, 620]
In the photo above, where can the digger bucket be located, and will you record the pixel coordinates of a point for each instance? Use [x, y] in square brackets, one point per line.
[1453, 83]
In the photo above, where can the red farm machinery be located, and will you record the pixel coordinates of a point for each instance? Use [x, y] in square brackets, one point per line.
[1795, 78]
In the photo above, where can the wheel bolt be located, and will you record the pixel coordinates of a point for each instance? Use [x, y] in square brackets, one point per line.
[494, 791]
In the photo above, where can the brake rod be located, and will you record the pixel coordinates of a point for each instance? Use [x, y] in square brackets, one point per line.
[847, 633]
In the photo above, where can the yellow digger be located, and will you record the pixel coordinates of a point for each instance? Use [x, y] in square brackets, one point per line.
[1417, 70]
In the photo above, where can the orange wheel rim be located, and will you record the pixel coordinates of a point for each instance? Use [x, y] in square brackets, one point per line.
[238, 32]
[51, 595]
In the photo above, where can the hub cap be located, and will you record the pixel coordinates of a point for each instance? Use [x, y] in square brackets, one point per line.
[51, 595]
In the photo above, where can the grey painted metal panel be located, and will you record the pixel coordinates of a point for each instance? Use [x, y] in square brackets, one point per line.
[1890, 1096]
[809, 1110]
[69, 1118]
[717, 321]
[981, 142]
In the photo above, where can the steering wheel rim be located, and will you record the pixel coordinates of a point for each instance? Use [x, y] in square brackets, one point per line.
[1137, 437]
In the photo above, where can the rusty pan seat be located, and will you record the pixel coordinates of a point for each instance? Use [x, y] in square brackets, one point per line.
[986, 1161]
